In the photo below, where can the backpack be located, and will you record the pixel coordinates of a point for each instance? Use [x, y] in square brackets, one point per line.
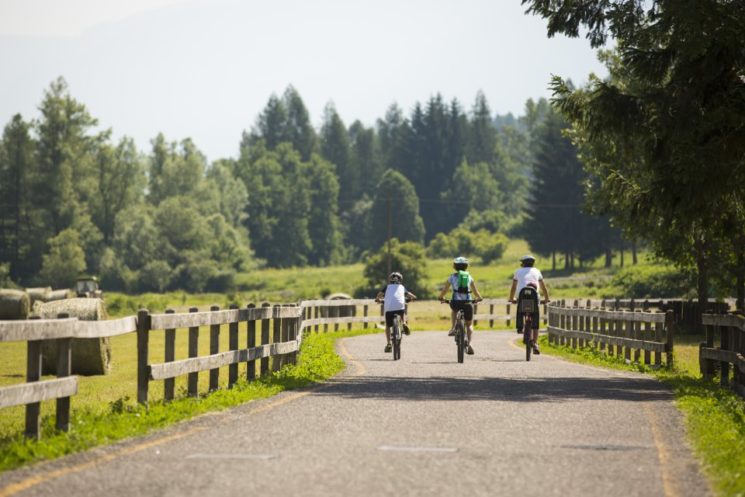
[463, 280]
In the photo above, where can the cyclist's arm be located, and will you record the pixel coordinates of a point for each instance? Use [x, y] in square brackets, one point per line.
[410, 295]
[475, 290]
[380, 296]
[513, 289]
[544, 290]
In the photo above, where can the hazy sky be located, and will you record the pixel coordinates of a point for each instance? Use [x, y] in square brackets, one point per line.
[205, 68]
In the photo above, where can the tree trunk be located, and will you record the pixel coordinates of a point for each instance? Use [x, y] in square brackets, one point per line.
[608, 257]
[566, 261]
[634, 259]
[553, 260]
[622, 247]
[702, 283]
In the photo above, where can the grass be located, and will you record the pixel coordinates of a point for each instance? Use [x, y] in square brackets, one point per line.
[714, 417]
[104, 415]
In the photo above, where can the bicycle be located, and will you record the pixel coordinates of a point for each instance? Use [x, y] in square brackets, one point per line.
[527, 305]
[396, 334]
[461, 336]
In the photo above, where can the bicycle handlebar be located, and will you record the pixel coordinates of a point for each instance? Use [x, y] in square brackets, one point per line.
[447, 301]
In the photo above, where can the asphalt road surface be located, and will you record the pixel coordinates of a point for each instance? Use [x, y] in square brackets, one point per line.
[424, 425]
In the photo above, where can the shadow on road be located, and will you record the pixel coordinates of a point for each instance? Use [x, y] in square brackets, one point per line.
[514, 390]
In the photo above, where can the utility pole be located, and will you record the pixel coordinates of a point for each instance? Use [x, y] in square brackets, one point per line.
[388, 205]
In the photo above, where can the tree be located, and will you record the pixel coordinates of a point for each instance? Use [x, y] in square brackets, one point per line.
[298, 129]
[16, 156]
[408, 258]
[64, 260]
[673, 113]
[482, 135]
[406, 224]
[323, 218]
[335, 148]
[366, 158]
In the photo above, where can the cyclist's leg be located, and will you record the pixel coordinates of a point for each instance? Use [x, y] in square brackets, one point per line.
[388, 325]
[468, 315]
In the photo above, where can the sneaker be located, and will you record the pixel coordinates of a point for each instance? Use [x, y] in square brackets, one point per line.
[406, 329]
[469, 350]
[536, 350]
[451, 333]
[388, 348]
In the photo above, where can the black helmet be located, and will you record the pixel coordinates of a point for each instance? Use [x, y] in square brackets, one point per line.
[460, 263]
[527, 260]
[396, 277]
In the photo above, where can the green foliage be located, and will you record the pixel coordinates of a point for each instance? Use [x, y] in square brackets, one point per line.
[64, 261]
[406, 224]
[462, 241]
[653, 282]
[408, 258]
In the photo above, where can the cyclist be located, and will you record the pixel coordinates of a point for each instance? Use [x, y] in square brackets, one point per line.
[527, 275]
[394, 297]
[463, 287]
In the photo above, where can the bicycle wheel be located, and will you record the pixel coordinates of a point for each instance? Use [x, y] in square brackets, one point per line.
[528, 337]
[396, 338]
[460, 334]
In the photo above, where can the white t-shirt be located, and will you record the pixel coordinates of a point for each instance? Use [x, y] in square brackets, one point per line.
[395, 297]
[526, 275]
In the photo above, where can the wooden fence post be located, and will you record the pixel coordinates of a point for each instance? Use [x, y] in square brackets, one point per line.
[251, 343]
[509, 314]
[233, 345]
[169, 384]
[214, 349]
[491, 319]
[670, 337]
[33, 373]
[726, 344]
[277, 336]
[143, 368]
[193, 378]
[364, 312]
[264, 367]
[64, 369]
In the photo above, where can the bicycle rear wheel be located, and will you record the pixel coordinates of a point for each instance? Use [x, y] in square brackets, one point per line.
[460, 334]
[396, 338]
[528, 337]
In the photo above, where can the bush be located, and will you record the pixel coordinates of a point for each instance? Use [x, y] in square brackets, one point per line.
[442, 246]
[653, 282]
[408, 258]
[64, 261]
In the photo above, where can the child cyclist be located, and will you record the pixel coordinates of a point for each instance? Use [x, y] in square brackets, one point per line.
[394, 297]
[463, 288]
[528, 276]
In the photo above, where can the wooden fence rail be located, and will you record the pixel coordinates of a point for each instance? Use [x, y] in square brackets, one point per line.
[730, 329]
[622, 333]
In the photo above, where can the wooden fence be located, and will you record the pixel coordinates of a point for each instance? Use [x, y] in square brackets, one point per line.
[34, 391]
[273, 333]
[623, 333]
[496, 305]
[730, 330]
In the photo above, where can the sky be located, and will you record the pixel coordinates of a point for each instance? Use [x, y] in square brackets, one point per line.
[205, 69]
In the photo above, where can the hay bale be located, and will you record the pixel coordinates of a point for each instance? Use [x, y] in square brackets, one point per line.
[63, 294]
[38, 294]
[90, 356]
[14, 304]
[340, 311]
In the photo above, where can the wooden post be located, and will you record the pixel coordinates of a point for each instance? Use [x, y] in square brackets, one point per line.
[611, 327]
[581, 342]
[233, 345]
[251, 343]
[670, 337]
[336, 313]
[316, 315]
[724, 365]
[475, 311]
[64, 369]
[33, 374]
[264, 366]
[277, 337]
[364, 312]
[491, 318]
[169, 384]
[646, 334]
[285, 336]
[637, 336]
[143, 368]
[509, 315]
[658, 329]
[193, 378]
[214, 349]
[595, 330]
[628, 333]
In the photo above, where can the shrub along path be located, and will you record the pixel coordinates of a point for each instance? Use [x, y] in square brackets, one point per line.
[424, 425]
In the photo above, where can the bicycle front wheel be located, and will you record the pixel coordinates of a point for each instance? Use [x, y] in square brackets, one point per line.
[460, 334]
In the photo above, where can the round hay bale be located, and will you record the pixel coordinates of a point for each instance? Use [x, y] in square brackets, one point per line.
[340, 311]
[38, 294]
[63, 294]
[14, 304]
[90, 356]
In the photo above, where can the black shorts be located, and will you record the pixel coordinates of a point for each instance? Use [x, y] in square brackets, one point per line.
[389, 317]
[465, 306]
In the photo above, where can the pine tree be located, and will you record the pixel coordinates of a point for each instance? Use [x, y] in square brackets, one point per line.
[396, 191]
[335, 148]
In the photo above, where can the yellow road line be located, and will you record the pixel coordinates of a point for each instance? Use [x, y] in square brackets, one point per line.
[359, 367]
[36, 480]
[668, 482]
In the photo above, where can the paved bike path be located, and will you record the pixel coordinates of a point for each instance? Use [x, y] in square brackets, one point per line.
[424, 425]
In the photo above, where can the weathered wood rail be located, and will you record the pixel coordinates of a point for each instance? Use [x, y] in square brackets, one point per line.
[34, 391]
[730, 330]
[273, 336]
[623, 333]
[507, 317]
